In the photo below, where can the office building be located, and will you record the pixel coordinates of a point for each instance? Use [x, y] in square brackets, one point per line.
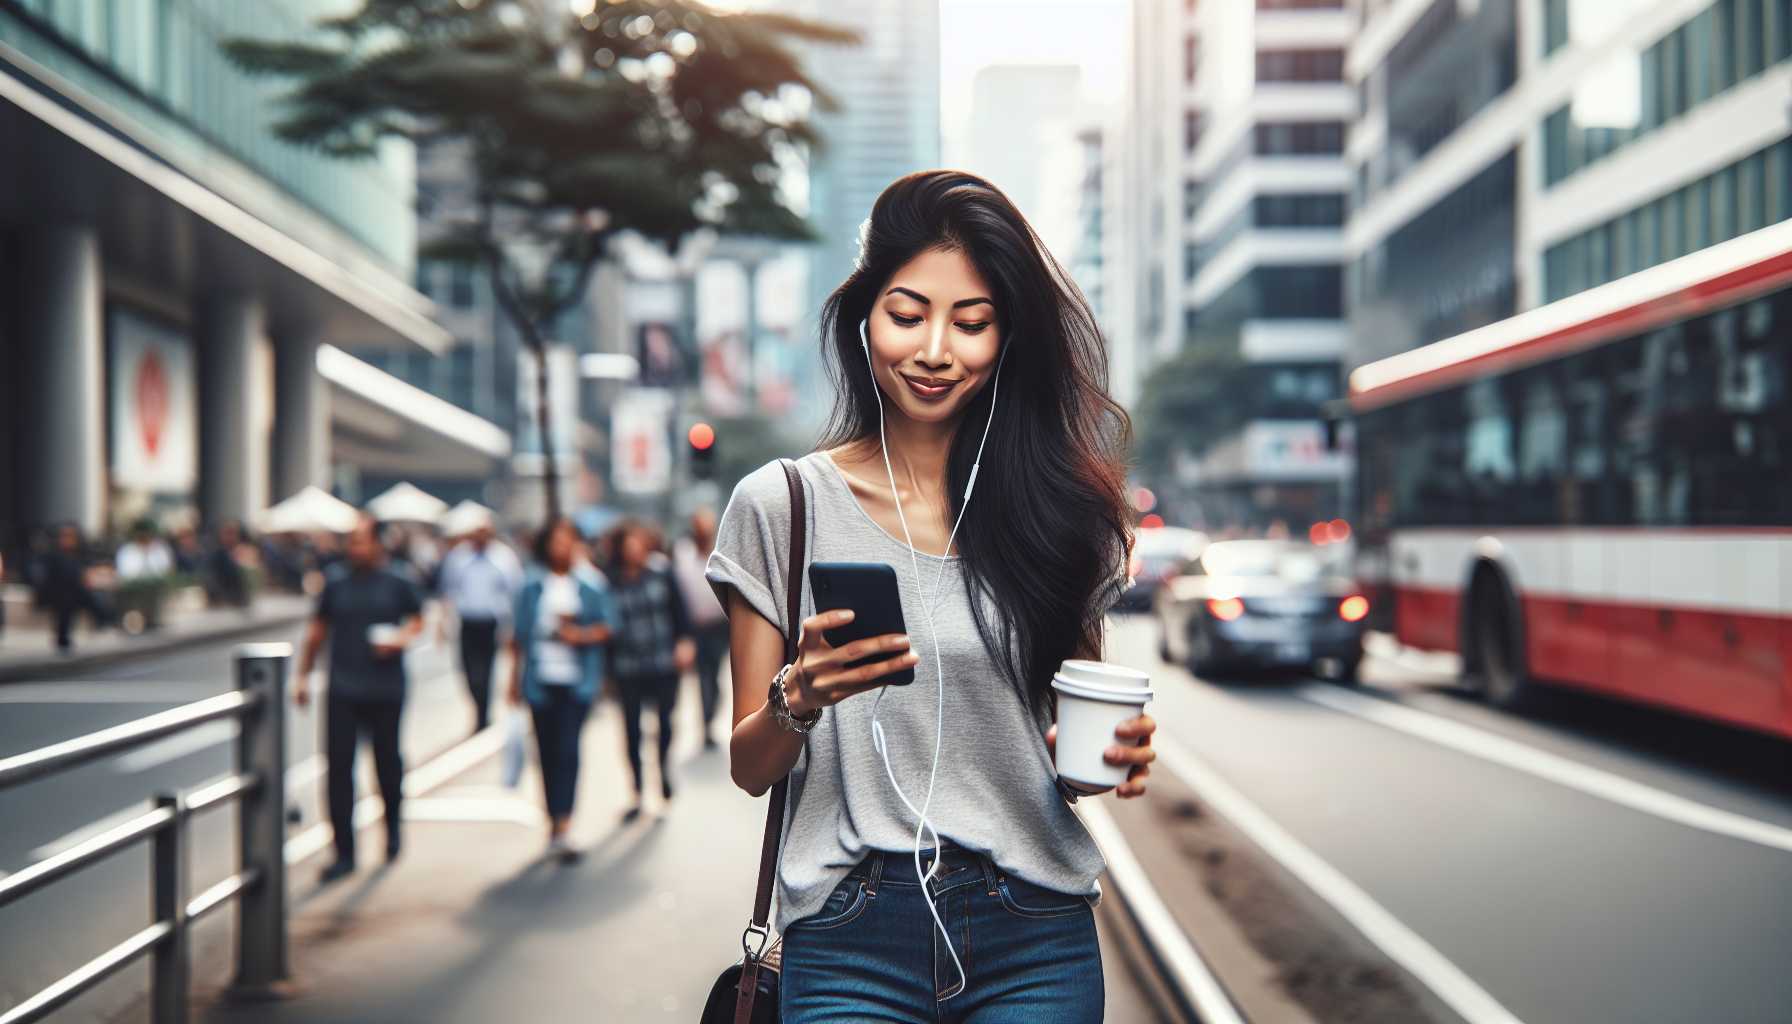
[173, 272]
[1235, 204]
[888, 125]
[1514, 152]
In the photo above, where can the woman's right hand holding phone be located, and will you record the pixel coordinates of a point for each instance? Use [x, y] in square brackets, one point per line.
[820, 678]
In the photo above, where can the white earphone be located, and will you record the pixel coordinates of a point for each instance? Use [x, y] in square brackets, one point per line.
[922, 825]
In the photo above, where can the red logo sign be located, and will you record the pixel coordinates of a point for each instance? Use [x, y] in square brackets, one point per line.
[152, 400]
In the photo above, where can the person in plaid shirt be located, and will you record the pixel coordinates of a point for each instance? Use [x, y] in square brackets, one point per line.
[653, 646]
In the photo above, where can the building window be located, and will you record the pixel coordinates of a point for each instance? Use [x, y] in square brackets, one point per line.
[1745, 196]
[460, 285]
[1299, 138]
[1299, 211]
[1300, 65]
[1725, 44]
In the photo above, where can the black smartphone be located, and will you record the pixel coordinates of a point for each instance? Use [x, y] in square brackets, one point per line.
[869, 589]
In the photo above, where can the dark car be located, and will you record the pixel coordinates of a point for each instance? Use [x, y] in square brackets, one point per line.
[1261, 604]
[1157, 554]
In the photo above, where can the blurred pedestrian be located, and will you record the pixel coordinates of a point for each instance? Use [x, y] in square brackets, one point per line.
[480, 580]
[64, 589]
[145, 555]
[369, 614]
[189, 554]
[709, 624]
[562, 622]
[653, 646]
[226, 580]
[143, 564]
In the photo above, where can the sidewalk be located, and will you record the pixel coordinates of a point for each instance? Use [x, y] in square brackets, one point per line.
[28, 654]
[473, 926]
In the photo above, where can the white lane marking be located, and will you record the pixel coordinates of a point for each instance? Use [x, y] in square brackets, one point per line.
[1190, 973]
[435, 772]
[1597, 782]
[175, 747]
[511, 810]
[86, 832]
[1402, 945]
[103, 691]
[305, 772]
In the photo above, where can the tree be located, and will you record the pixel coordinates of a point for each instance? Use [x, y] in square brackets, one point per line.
[577, 120]
[1188, 402]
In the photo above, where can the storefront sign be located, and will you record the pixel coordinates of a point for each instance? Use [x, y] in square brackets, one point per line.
[154, 402]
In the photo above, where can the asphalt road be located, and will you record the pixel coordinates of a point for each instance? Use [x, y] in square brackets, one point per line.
[1588, 863]
[52, 932]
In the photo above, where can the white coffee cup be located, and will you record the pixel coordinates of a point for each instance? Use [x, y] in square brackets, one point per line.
[1094, 697]
[384, 634]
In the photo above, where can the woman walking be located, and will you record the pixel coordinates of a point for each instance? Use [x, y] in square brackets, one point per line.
[954, 304]
[653, 646]
[563, 620]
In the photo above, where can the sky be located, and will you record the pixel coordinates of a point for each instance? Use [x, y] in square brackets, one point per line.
[977, 33]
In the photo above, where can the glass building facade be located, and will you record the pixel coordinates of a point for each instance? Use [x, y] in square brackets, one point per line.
[160, 64]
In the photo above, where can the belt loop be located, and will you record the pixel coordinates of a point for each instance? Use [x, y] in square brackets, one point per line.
[877, 872]
[989, 873]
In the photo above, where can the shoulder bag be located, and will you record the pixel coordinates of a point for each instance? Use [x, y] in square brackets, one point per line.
[747, 993]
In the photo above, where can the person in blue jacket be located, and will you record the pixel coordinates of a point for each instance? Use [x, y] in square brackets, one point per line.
[558, 661]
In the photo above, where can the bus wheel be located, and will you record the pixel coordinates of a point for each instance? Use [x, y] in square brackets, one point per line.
[1498, 646]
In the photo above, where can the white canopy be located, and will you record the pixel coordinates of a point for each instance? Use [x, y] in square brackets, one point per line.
[466, 517]
[407, 503]
[310, 510]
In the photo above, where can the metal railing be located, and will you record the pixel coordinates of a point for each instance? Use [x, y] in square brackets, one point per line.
[259, 884]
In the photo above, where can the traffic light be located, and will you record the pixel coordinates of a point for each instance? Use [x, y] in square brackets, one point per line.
[702, 438]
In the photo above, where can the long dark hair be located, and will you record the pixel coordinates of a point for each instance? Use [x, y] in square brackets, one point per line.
[1053, 523]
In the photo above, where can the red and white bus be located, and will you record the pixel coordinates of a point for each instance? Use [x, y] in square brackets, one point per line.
[1598, 493]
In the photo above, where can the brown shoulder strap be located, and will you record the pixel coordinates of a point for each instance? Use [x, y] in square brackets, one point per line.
[793, 604]
[774, 812]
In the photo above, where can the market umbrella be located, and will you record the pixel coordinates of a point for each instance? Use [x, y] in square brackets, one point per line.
[466, 517]
[407, 503]
[310, 510]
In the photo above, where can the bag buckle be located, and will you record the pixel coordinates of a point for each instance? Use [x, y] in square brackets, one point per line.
[764, 932]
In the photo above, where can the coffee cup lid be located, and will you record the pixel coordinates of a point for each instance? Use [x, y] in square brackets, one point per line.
[1103, 675]
[1105, 694]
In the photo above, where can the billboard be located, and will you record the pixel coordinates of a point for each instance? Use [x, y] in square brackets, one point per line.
[641, 442]
[154, 403]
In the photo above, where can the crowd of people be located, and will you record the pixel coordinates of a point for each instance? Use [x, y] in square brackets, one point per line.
[122, 585]
[580, 618]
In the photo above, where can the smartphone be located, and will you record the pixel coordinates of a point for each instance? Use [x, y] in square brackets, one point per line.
[869, 589]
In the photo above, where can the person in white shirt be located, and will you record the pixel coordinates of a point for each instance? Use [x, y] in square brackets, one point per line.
[145, 555]
[708, 621]
[480, 580]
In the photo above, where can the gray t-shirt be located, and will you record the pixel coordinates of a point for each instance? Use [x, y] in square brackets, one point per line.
[996, 791]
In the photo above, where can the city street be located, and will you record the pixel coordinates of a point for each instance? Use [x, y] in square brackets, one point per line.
[1591, 863]
[469, 925]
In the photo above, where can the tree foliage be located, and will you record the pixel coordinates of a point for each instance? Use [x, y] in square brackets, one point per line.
[660, 117]
[1188, 402]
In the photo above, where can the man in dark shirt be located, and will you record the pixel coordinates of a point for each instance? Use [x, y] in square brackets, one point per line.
[369, 614]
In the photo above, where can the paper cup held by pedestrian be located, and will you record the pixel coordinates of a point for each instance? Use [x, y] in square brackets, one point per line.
[384, 634]
[1094, 697]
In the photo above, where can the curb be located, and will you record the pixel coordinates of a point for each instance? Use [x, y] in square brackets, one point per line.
[1199, 995]
[34, 670]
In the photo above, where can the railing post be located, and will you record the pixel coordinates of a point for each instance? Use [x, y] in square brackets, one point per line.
[169, 964]
[261, 750]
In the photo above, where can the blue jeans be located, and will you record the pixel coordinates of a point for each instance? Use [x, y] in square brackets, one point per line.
[559, 719]
[872, 953]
